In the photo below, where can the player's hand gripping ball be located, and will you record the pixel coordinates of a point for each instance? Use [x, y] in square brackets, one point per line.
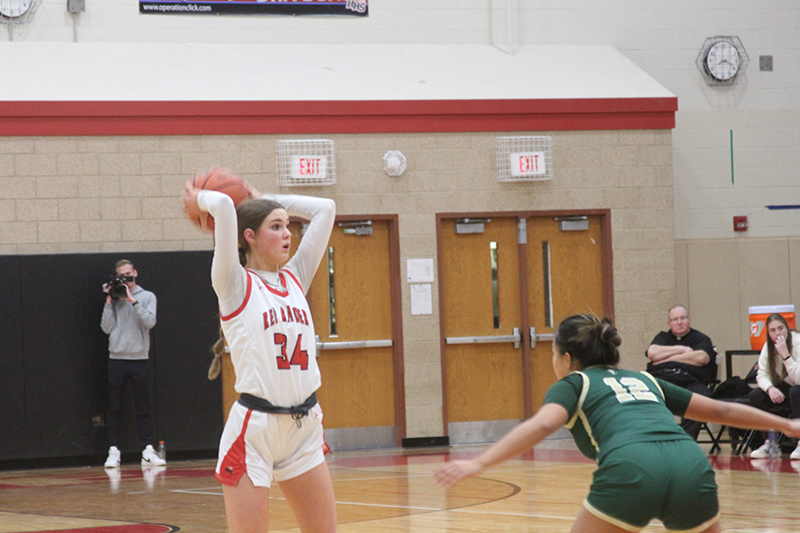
[216, 179]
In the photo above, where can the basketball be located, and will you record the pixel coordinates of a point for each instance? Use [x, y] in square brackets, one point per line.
[221, 180]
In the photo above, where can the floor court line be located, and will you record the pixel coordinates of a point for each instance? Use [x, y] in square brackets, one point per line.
[364, 504]
[198, 491]
[539, 468]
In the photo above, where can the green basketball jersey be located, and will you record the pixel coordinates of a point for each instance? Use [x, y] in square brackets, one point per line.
[610, 407]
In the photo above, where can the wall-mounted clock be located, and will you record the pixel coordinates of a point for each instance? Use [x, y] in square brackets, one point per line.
[722, 59]
[14, 8]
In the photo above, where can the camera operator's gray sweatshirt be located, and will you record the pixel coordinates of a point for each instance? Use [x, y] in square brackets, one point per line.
[128, 326]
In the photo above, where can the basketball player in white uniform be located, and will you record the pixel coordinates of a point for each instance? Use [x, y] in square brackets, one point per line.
[275, 430]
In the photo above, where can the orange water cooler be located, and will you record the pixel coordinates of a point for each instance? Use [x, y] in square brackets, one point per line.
[758, 319]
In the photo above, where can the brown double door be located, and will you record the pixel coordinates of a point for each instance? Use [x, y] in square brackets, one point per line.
[354, 300]
[505, 283]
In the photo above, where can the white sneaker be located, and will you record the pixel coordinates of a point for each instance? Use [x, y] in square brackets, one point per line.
[796, 453]
[113, 458]
[762, 452]
[150, 457]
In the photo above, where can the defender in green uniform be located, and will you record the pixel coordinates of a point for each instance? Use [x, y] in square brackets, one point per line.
[648, 467]
[639, 448]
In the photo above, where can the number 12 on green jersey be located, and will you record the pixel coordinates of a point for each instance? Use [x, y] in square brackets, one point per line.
[629, 389]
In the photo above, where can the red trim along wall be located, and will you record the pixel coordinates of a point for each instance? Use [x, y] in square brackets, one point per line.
[395, 116]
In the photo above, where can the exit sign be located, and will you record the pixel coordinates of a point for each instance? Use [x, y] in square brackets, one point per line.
[309, 167]
[527, 164]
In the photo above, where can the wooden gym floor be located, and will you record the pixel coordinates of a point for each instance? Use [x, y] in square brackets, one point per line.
[379, 491]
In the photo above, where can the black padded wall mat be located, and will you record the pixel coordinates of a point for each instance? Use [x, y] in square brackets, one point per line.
[54, 379]
[12, 365]
[189, 413]
[56, 384]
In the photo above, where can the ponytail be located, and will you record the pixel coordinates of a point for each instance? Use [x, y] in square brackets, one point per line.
[217, 350]
[590, 341]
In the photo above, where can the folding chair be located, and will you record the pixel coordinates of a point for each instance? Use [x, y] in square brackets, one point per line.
[714, 440]
[747, 440]
[739, 444]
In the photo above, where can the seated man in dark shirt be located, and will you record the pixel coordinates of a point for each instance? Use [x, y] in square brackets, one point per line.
[685, 357]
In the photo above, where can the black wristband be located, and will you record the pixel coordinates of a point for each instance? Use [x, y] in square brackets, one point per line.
[787, 357]
[135, 303]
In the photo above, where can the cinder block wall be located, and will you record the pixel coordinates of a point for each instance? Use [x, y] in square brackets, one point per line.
[122, 194]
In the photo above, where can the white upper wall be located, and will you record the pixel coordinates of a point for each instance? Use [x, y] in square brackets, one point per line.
[146, 71]
[663, 38]
[389, 22]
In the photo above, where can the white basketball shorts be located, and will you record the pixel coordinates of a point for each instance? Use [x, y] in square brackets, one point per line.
[266, 446]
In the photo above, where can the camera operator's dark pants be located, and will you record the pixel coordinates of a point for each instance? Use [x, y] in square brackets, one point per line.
[119, 371]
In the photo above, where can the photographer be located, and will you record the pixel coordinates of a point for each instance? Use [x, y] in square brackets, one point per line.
[128, 316]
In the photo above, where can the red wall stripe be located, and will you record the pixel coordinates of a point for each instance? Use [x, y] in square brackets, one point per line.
[259, 117]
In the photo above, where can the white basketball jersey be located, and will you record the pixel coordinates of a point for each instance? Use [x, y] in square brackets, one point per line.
[272, 342]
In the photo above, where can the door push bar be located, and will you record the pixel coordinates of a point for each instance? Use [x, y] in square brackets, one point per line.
[350, 345]
[540, 337]
[514, 337]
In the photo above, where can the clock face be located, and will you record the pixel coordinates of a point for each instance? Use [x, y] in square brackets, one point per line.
[14, 8]
[722, 60]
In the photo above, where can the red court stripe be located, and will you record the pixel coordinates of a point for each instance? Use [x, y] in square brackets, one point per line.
[718, 462]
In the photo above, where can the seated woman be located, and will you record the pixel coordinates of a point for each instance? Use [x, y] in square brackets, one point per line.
[778, 375]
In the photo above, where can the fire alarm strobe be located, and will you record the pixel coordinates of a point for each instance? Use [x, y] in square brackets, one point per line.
[740, 223]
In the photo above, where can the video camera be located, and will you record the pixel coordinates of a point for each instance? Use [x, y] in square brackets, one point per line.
[116, 286]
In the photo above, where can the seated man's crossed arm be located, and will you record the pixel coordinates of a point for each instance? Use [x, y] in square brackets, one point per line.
[679, 354]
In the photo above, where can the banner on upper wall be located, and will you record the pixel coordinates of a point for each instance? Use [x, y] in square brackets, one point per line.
[356, 8]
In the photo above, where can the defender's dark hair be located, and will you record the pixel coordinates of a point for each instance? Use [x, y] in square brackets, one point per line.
[590, 341]
[250, 214]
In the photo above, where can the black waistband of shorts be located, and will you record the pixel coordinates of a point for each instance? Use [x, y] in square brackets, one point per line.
[260, 404]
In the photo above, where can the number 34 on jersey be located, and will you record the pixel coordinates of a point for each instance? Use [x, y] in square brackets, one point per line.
[299, 356]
